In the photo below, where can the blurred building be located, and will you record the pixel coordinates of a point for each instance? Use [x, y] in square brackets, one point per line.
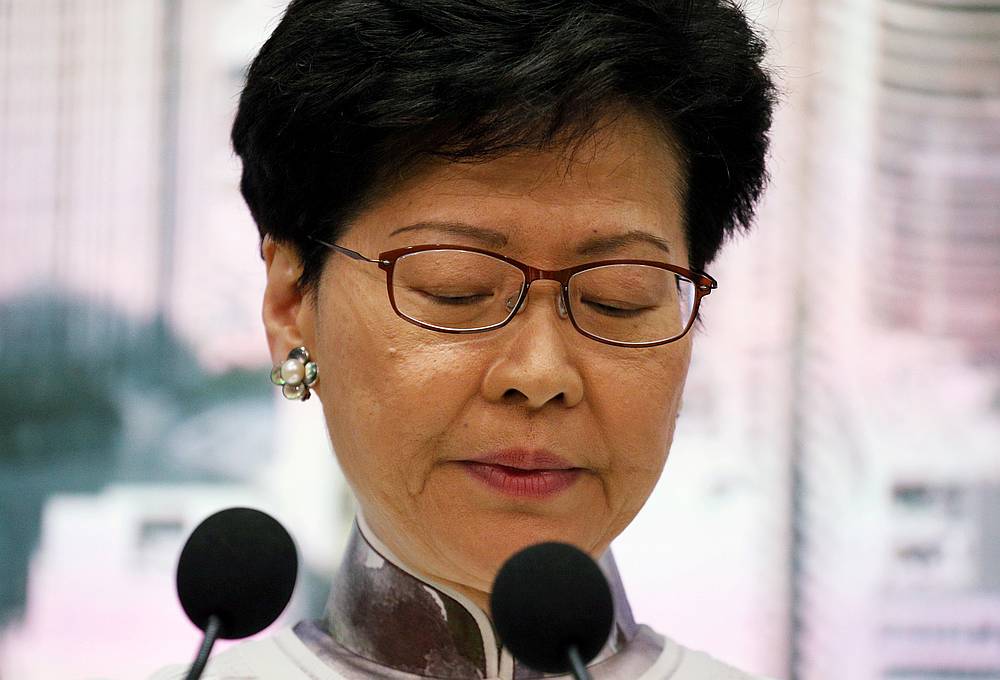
[80, 173]
[116, 179]
[133, 367]
[936, 268]
[897, 455]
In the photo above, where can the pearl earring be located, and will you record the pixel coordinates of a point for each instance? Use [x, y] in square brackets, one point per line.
[296, 374]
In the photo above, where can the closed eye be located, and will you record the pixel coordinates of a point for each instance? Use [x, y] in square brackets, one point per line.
[614, 310]
[457, 299]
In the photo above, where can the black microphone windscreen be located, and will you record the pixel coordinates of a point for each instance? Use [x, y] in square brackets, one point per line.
[548, 597]
[239, 564]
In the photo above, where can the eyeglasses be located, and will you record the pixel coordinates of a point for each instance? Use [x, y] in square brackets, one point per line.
[456, 289]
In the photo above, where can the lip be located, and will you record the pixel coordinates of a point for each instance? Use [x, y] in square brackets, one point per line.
[525, 459]
[523, 473]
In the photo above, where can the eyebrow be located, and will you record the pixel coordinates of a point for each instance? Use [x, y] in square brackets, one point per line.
[489, 237]
[596, 245]
[599, 245]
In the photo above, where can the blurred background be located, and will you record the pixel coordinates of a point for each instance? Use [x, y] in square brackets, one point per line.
[831, 507]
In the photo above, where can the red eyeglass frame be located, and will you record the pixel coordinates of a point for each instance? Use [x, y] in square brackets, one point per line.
[703, 285]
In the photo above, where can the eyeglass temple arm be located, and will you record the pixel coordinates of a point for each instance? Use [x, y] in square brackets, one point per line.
[353, 254]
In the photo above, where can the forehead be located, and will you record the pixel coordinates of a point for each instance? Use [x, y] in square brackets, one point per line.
[624, 176]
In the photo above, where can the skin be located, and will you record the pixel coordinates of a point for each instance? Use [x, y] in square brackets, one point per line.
[403, 404]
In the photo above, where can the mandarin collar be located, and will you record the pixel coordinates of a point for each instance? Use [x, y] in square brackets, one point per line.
[382, 611]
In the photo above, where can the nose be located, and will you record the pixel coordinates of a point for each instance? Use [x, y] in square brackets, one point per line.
[535, 366]
[560, 304]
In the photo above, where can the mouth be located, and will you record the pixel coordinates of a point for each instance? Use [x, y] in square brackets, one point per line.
[527, 460]
[523, 473]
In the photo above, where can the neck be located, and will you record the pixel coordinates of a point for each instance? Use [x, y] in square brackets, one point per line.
[479, 598]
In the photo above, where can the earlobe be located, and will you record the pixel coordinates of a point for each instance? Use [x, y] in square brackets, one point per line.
[283, 300]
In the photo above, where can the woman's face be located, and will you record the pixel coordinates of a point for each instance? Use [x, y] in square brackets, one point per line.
[407, 408]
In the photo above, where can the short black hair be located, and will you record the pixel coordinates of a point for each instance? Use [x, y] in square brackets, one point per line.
[344, 93]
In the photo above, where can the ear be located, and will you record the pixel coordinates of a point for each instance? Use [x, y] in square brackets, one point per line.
[287, 314]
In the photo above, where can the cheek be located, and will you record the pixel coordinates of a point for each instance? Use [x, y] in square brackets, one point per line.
[391, 393]
[636, 403]
[430, 376]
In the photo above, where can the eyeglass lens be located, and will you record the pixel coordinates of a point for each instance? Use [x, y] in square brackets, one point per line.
[461, 290]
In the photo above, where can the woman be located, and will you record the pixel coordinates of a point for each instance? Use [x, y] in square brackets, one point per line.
[484, 225]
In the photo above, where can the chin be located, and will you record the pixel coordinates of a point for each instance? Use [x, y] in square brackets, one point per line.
[498, 536]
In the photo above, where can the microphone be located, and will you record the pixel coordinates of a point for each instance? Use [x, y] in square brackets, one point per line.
[235, 576]
[552, 608]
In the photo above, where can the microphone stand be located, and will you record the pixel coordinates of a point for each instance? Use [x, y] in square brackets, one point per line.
[211, 634]
[576, 665]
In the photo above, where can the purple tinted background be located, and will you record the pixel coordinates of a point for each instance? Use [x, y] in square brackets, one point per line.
[831, 507]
